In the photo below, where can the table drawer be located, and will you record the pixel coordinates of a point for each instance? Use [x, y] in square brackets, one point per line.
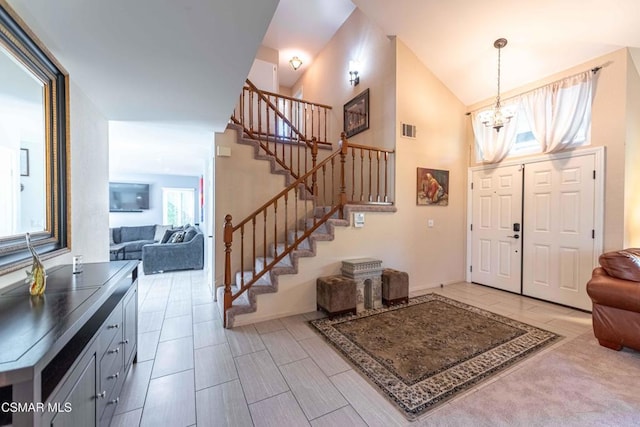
[110, 328]
[111, 371]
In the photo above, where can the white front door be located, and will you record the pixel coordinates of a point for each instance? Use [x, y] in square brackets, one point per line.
[559, 230]
[496, 214]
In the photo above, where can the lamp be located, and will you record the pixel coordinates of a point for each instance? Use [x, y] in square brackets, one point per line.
[498, 117]
[295, 63]
[354, 79]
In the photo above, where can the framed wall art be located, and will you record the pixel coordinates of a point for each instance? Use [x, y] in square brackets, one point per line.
[432, 187]
[356, 114]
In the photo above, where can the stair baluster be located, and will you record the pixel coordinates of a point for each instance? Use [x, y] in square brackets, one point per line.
[275, 129]
[306, 189]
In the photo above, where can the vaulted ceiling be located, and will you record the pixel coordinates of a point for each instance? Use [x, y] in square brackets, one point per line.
[182, 63]
[454, 38]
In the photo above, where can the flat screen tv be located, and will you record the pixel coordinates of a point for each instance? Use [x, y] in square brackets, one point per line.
[128, 197]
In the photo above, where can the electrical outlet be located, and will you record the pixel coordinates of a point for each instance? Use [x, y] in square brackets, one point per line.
[430, 223]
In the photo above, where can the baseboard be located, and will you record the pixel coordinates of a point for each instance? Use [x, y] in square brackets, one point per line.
[433, 285]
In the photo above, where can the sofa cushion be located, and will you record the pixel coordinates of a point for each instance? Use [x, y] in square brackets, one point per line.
[160, 231]
[143, 232]
[115, 232]
[111, 241]
[190, 233]
[136, 246]
[624, 264]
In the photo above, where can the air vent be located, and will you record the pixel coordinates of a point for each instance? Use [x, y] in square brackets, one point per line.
[408, 130]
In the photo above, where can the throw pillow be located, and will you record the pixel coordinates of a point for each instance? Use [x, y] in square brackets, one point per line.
[624, 264]
[189, 234]
[177, 237]
[111, 242]
[160, 231]
[167, 236]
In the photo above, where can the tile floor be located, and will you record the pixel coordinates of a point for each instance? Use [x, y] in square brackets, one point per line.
[191, 371]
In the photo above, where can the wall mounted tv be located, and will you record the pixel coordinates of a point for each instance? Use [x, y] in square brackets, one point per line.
[128, 197]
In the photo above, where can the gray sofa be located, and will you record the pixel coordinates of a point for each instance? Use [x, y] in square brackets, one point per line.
[185, 255]
[127, 242]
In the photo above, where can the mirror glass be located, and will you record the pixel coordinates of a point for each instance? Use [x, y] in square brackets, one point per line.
[22, 149]
[34, 127]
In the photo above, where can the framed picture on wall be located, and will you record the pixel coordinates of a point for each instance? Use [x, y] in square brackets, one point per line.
[432, 187]
[356, 114]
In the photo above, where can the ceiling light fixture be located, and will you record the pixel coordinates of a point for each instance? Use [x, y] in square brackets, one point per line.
[295, 63]
[354, 79]
[499, 116]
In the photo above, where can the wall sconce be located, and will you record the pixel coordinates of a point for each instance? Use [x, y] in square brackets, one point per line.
[354, 79]
[295, 63]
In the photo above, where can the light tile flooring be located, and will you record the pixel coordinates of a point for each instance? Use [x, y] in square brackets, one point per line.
[191, 371]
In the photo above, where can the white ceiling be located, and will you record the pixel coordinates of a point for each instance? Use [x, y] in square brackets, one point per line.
[303, 28]
[182, 62]
[179, 65]
[454, 38]
[173, 69]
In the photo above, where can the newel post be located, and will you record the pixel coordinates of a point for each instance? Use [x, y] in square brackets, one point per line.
[228, 239]
[344, 148]
[314, 175]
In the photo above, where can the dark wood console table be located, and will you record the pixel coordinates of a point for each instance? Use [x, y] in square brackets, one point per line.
[64, 357]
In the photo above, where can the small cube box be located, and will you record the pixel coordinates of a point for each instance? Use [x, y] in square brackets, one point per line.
[395, 287]
[336, 295]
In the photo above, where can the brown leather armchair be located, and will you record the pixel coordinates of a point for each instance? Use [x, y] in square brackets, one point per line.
[614, 289]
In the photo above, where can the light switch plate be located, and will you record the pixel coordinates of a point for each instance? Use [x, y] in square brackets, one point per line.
[223, 151]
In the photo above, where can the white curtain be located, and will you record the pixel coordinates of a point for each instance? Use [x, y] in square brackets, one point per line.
[557, 112]
[492, 146]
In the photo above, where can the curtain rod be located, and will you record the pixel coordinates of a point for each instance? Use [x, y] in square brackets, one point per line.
[593, 70]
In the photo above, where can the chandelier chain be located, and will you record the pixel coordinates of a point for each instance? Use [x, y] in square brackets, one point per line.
[498, 96]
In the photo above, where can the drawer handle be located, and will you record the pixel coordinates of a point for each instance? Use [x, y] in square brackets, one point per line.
[101, 395]
[115, 350]
[114, 401]
[114, 326]
[124, 342]
[114, 376]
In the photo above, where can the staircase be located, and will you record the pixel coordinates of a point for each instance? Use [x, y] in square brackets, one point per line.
[270, 241]
[268, 283]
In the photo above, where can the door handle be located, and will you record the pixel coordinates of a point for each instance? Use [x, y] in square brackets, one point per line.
[515, 236]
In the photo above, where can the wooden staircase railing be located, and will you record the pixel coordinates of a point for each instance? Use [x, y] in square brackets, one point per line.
[261, 241]
[284, 127]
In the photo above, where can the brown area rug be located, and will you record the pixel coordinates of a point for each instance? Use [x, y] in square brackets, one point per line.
[427, 351]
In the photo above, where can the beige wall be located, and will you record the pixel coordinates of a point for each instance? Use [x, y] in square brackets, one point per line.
[326, 81]
[437, 253]
[89, 185]
[268, 54]
[402, 240]
[608, 129]
[632, 159]
[243, 184]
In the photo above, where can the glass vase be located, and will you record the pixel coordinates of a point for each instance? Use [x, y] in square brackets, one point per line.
[36, 278]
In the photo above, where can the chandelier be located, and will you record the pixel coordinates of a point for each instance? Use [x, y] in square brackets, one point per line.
[295, 63]
[499, 116]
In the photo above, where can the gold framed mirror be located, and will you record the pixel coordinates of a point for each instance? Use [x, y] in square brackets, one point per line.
[34, 126]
